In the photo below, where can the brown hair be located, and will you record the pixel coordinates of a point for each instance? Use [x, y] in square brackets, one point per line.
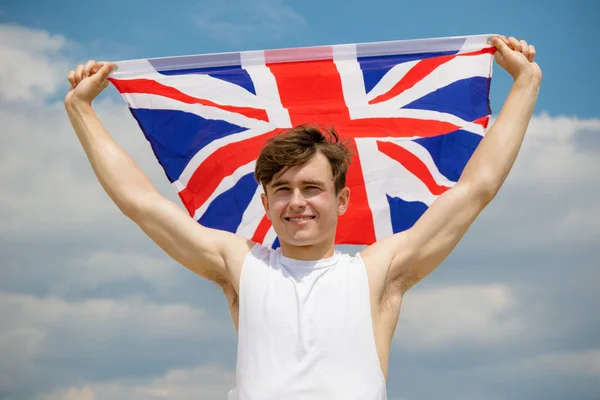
[297, 147]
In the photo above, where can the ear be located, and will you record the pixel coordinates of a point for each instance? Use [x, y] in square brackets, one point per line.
[343, 199]
[265, 203]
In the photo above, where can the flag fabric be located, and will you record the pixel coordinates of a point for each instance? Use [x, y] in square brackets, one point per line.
[413, 111]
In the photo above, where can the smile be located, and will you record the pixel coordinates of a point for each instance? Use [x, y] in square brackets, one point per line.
[299, 219]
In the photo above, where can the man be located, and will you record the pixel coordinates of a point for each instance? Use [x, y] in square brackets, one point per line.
[312, 323]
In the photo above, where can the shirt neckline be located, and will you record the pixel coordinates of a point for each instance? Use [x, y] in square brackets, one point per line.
[311, 264]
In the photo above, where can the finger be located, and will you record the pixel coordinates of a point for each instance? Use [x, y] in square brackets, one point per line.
[97, 67]
[78, 74]
[500, 45]
[103, 73]
[524, 48]
[71, 78]
[514, 44]
[505, 39]
[531, 52]
[88, 67]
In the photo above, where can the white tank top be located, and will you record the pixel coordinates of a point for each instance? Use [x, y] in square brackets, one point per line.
[305, 330]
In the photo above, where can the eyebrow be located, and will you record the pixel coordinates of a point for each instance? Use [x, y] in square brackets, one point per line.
[278, 183]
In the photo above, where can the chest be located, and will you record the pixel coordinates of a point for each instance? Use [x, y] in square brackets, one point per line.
[310, 330]
[314, 306]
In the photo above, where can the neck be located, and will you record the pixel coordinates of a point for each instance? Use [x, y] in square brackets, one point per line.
[308, 253]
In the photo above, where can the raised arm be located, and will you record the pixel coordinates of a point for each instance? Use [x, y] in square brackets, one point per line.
[413, 254]
[213, 254]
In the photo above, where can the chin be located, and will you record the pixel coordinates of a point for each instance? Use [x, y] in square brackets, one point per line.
[300, 237]
[301, 241]
[304, 239]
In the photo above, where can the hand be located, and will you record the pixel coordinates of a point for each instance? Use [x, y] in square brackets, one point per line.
[516, 57]
[88, 81]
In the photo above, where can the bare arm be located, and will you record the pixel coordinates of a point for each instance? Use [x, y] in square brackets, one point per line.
[415, 253]
[208, 252]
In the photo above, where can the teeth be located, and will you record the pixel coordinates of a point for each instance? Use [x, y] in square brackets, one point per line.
[300, 219]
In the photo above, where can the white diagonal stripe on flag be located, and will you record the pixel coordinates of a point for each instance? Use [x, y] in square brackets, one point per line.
[226, 184]
[147, 101]
[460, 67]
[210, 148]
[391, 78]
[252, 216]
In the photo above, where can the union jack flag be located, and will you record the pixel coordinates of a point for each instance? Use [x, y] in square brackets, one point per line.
[414, 111]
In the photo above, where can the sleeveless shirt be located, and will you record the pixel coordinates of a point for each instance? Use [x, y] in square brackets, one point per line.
[305, 330]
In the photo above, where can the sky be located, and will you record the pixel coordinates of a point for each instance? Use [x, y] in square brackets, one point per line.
[91, 309]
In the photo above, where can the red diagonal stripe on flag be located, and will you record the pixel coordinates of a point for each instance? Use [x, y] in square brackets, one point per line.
[148, 86]
[421, 70]
[483, 121]
[261, 230]
[219, 165]
[412, 163]
[416, 74]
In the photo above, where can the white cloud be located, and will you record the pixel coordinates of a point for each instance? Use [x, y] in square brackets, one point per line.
[208, 382]
[453, 315]
[550, 155]
[52, 186]
[549, 199]
[581, 363]
[546, 365]
[101, 269]
[99, 318]
[50, 327]
[33, 64]
[72, 393]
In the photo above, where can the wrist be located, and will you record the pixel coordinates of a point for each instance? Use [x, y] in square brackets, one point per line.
[77, 106]
[528, 80]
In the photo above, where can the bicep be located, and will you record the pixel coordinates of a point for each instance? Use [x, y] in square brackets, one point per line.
[202, 250]
[436, 233]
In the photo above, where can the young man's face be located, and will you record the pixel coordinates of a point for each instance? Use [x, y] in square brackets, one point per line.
[303, 206]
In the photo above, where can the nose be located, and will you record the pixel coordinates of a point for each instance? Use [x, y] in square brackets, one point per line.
[297, 200]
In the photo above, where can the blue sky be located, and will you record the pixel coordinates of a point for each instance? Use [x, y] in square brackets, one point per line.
[92, 309]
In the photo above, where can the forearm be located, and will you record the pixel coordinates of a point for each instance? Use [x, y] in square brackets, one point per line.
[494, 157]
[118, 174]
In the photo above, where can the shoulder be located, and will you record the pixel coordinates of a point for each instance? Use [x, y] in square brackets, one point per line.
[258, 254]
[237, 255]
[262, 252]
